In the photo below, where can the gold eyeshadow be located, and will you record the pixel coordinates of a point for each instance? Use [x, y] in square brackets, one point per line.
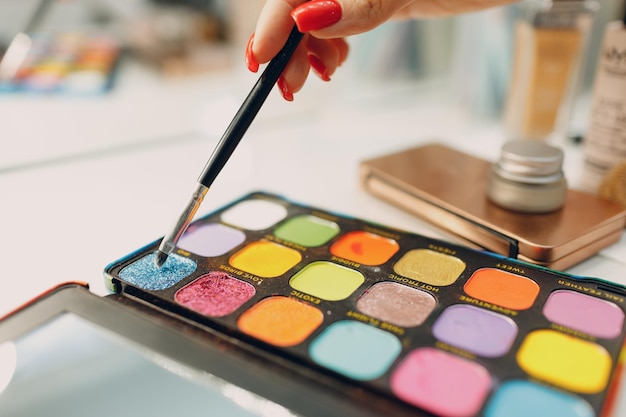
[422, 324]
[430, 267]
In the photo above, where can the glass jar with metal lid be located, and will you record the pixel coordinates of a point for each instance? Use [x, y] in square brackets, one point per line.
[528, 177]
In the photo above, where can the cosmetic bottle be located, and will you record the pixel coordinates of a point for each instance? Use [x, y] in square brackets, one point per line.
[549, 46]
[605, 141]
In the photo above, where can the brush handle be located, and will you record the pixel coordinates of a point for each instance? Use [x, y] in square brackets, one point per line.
[248, 110]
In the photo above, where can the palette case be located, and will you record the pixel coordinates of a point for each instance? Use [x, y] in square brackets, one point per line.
[329, 315]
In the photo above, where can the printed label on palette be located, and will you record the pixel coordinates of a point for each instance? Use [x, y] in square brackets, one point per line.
[418, 322]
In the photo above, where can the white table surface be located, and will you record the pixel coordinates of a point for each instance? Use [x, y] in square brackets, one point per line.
[84, 181]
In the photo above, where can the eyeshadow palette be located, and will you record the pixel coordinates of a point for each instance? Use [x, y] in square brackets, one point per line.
[392, 321]
[67, 63]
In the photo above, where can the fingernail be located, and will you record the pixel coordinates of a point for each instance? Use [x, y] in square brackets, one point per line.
[316, 14]
[319, 67]
[284, 89]
[251, 62]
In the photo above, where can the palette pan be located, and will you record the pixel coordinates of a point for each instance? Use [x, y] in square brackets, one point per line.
[382, 321]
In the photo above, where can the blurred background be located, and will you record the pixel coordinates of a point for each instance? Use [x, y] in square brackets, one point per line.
[127, 60]
[187, 37]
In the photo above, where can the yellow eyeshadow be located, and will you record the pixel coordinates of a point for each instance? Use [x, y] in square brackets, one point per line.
[566, 361]
[265, 259]
[430, 267]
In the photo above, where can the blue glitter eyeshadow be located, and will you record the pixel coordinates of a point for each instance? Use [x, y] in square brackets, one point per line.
[145, 274]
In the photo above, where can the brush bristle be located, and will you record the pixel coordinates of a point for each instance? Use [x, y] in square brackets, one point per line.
[160, 258]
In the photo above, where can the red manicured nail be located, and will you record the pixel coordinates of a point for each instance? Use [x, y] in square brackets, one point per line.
[251, 62]
[284, 89]
[319, 67]
[316, 14]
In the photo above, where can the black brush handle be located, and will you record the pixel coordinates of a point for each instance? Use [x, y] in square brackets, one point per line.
[248, 110]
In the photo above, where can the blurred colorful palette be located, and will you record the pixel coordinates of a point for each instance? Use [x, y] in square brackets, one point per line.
[70, 63]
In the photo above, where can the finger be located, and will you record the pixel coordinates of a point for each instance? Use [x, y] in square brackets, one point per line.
[272, 29]
[327, 19]
[438, 8]
[295, 73]
[323, 56]
[342, 48]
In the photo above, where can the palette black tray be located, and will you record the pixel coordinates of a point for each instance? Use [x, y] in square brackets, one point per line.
[399, 322]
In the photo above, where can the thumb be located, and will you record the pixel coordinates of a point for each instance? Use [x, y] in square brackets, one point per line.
[340, 18]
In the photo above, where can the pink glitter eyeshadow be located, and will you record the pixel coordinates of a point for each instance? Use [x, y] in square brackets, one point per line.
[215, 294]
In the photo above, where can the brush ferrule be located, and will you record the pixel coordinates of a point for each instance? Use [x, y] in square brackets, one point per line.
[169, 240]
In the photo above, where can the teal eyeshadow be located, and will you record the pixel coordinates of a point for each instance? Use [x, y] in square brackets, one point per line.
[525, 398]
[356, 350]
[145, 274]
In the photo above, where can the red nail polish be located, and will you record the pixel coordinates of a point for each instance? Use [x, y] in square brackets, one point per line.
[251, 62]
[284, 89]
[319, 67]
[316, 14]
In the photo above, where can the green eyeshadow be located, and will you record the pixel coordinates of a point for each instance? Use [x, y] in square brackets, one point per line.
[307, 230]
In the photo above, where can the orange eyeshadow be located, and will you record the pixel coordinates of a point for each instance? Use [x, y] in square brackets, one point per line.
[280, 321]
[365, 248]
[502, 288]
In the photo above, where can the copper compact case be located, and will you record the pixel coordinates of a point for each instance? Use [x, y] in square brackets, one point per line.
[449, 189]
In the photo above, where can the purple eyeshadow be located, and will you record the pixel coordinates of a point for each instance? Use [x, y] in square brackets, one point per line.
[215, 294]
[211, 239]
[479, 331]
[582, 312]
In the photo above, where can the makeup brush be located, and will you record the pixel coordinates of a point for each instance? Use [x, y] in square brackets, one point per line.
[229, 141]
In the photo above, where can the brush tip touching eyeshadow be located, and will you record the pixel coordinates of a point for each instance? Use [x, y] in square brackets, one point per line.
[147, 275]
[160, 258]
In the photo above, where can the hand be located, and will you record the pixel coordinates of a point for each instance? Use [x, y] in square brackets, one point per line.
[326, 23]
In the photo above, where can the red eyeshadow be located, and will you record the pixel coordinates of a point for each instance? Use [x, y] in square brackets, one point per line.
[215, 294]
